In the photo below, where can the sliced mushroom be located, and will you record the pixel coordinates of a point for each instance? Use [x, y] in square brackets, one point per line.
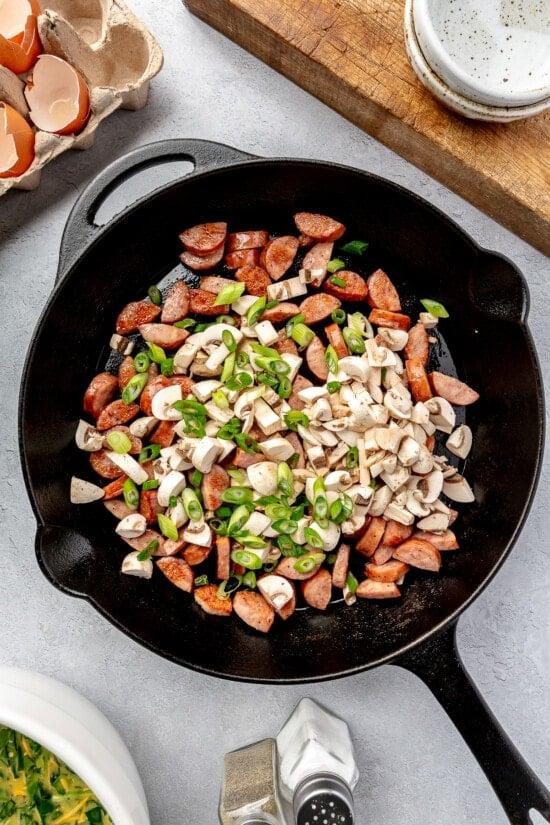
[87, 438]
[119, 343]
[203, 390]
[324, 437]
[198, 532]
[171, 485]
[355, 367]
[185, 356]
[316, 457]
[266, 332]
[268, 421]
[374, 382]
[395, 512]
[457, 489]
[263, 477]
[395, 479]
[434, 523]
[460, 442]
[132, 526]
[258, 523]
[132, 566]
[330, 535]
[380, 500]
[162, 403]
[378, 356]
[393, 339]
[311, 394]
[129, 466]
[398, 402]
[424, 462]
[430, 486]
[442, 414]
[320, 411]
[206, 453]
[338, 480]
[177, 514]
[143, 426]
[388, 438]
[276, 590]
[277, 449]
[409, 451]
[415, 505]
[84, 492]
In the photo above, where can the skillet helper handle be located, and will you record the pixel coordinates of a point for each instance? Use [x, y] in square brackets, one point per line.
[80, 229]
[440, 667]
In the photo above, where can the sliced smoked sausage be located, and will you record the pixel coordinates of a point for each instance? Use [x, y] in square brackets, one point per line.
[213, 486]
[319, 227]
[253, 609]
[243, 257]
[418, 345]
[381, 292]
[391, 571]
[178, 572]
[317, 260]
[134, 314]
[278, 256]
[419, 553]
[99, 393]
[126, 371]
[255, 279]
[418, 380]
[317, 307]
[202, 263]
[315, 358]
[202, 302]
[341, 566]
[248, 239]
[164, 335]
[393, 320]
[176, 303]
[204, 238]
[336, 340]
[207, 598]
[355, 288]
[281, 313]
[117, 412]
[370, 589]
[454, 391]
[318, 590]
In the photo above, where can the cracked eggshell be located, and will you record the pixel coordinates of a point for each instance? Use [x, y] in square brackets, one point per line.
[19, 41]
[58, 96]
[16, 142]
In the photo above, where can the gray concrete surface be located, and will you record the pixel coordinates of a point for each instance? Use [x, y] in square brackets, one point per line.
[415, 767]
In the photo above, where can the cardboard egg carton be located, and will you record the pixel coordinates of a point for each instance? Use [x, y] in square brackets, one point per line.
[110, 48]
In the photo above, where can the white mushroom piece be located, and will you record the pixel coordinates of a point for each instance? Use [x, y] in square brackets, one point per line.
[277, 449]
[434, 523]
[430, 486]
[143, 426]
[132, 566]
[268, 421]
[266, 332]
[206, 453]
[409, 451]
[198, 532]
[354, 367]
[428, 320]
[132, 526]
[84, 492]
[87, 438]
[338, 480]
[441, 413]
[119, 343]
[161, 404]
[393, 339]
[330, 536]
[457, 489]
[276, 590]
[263, 477]
[398, 402]
[203, 390]
[171, 485]
[129, 467]
[387, 438]
[460, 442]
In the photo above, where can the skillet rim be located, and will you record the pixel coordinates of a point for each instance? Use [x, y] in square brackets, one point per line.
[482, 252]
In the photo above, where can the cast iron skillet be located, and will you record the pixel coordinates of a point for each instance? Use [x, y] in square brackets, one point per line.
[427, 255]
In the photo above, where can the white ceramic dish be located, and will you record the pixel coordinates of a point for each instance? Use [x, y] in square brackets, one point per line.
[71, 727]
[449, 97]
[495, 52]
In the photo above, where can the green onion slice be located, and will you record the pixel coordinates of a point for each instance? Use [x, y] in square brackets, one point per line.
[155, 295]
[238, 519]
[191, 504]
[308, 563]
[228, 367]
[335, 265]
[247, 559]
[249, 579]
[302, 335]
[201, 581]
[167, 527]
[251, 541]
[196, 478]
[148, 551]
[246, 442]
[355, 247]
[226, 319]
[156, 353]
[254, 313]
[338, 316]
[227, 587]
[436, 309]
[333, 386]
[228, 294]
[331, 359]
[237, 495]
[229, 340]
[237, 475]
[295, 418]
[149, 453]
[284, 390]
[186, 323]
[351, 458]
[355, 342]
[119, 442]
[242, 359]
[313, 538]
[351, 583]
[131, 494]
[267, 379]
[142, 362]
[167, 367]
[338, 281]
[285, 525]
[150, 484]
[285, 479]
[220, 399]
[134, 388]
[277, 511]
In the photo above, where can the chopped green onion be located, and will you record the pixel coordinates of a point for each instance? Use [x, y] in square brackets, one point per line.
[247, 559]
[263, 501]
[285, 525]
[279, 367]
[266, 378]
[331, 558]
[142, 362]
[359, 324]
[373, 484]
[295, 418]
[239, 517]
[156, 353]
[196, 478]
[203, 326]
[242, 359]
[226, 319]
[331, 359]
[227, 587]
[155, 295]
[338, 281]
[229, 340]
[201, 581]
[338, 316]
[434, 307]
[119, 442]
[249, 579]
[220, 399]
[351, 458]
[134, 388]
[246, 442]
[173, 501]
[333, 386]
[219, 526]
[237, 495]
[287, 546]
[131, 494]
[148, 551]
[335, 265]
[188, 406]
[167, 367]
[272, 304]
[277, 511]
[228, 367]
[355, 247]
[284, 390]
[223, 512]
[383, 373]
[228, 294]
[149, 453]
[237, 475]
[244, 379]
[285, 479]
[293, 461]
[318, 487]
[150, 484]
[313, 538]
[191, 504]
[193, 425]
[308, 563]
[296, 319]
[167, 527]
[351, 583]
[255, 311]
[355, 342]
[230, 430]
[302, 335]
[186, 323]
[267, 352]
[251, 541]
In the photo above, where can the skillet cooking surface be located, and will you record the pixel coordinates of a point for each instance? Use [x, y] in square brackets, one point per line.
[426, 255]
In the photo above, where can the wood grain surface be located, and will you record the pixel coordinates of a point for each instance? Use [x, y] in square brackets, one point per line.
[351, 55]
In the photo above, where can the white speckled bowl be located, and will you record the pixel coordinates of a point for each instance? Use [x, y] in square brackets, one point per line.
[495, 52]
[449, 97]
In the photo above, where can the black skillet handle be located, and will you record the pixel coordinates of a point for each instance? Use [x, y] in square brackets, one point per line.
[437, 662]
[81, 229]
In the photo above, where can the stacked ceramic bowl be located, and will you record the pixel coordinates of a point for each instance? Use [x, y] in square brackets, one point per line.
[485, 59]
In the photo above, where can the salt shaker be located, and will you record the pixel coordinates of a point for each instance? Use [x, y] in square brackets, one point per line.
[249, 792]
[317, 766]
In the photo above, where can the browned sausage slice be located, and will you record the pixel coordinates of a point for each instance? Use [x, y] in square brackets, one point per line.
[117, 412]
[243, 257]
[249, 239]
[418, 380]
[318, 307]
[164, 335]
[195, 555]
[393, 320]
[202, 302]
[215, 283]
[281, 313]
[150, 390]
[176, 303]
[299, 383]
[278, 256]
[296, 442]
[453, 390]
[204, 238]
[100, 391]
[418, 345]
[114, 490]
[141, 542]
[304, 241]
[103, 466]
[255, 279]
[319, 227]
[391, 571]
[285, 344]
[395, 533]
[441, 541]
[370, 589]
[201, 264]
[178, 572]
[318, 258]
[134, 314]
[223, 557]
[381, 292]
[184, 382]
[213, 485]
[368, 543]
[382, 554]
[315, 358]
[341, 566]
[126, 371]
[253, 609]
[164, 434]
[207, 598]
[117, 508]
[318, 590]
[336, 340]
[286, 568]
[419, 553]
[355, 288]
[149, 506]
[241, 459]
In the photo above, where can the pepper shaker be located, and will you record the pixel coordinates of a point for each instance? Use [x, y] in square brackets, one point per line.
[249, 793]
[317, 766]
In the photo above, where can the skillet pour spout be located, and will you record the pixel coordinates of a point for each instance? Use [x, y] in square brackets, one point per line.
[486, 342]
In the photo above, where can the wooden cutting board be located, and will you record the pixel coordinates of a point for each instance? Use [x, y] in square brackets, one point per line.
[351, 55]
